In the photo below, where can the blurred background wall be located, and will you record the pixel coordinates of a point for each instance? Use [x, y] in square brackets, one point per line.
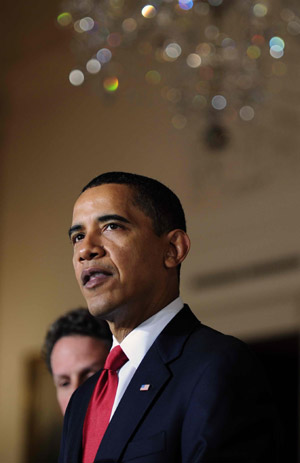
[242, 206]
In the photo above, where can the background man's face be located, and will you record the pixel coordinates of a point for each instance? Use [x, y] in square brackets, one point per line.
[118, 259]
[75, 358]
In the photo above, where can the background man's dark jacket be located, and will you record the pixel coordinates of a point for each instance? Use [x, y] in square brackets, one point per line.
[207, 402]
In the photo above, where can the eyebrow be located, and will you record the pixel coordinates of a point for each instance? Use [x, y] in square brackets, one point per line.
[61, 376]
[101, 219]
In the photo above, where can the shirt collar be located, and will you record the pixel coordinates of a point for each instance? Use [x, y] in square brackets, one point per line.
[137, 343]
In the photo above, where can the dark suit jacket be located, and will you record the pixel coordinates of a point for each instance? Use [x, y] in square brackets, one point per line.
[207, 402]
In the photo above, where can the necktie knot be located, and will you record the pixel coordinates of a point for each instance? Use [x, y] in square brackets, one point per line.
[115, 359]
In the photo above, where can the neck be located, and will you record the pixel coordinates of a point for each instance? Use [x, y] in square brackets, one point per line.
[123, 324]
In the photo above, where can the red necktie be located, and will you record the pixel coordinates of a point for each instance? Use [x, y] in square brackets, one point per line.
[101, 403]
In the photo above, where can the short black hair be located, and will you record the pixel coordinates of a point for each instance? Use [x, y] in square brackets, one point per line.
[75, 322]
[156, 200]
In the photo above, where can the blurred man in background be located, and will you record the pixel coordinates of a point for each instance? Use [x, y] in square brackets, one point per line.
[75, 347]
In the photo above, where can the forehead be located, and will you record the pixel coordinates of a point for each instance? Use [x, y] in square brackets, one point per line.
[75, 347]
[107, 199]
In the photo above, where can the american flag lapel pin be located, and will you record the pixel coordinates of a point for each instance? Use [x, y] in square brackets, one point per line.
[145, 387]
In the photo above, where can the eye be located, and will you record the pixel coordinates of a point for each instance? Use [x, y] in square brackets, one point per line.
[112, 226]
[62, 384]
[77, 237]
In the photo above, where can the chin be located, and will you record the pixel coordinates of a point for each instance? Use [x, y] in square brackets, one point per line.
[95, 311]
[100, 310]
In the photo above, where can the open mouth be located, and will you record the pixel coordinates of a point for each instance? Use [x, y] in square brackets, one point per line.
[93, 276]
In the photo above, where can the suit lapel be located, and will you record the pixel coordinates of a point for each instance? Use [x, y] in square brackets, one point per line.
[127, 417]
[152, 371]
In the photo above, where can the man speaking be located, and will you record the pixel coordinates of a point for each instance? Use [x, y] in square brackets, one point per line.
[172, 390]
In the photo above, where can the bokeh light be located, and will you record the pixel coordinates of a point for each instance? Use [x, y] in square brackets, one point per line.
[76, 77]
[86, 24]
[111, 84]
[276, 51]
[153, 77]
[149, 11]
[104, 55]
[173, 50]
[219, 102]
[179, 121]
[186, 4]
[77, 27]
[258, 40]
[199, 102]
[276, 47]
[129, 25]
[246, 113]
[227, 42]
[204, 49]
[93, 66]
[199, 39]
[193, 60]
[211, 32]
[253, 52]
[173, 95]
[260, 10]
[64, 19]
[277, 41]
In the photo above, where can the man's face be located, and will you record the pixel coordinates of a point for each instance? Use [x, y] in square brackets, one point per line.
[73, 359]
[118, 259]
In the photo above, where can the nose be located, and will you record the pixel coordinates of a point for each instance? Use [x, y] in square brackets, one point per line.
[75, 384]
[90, 249]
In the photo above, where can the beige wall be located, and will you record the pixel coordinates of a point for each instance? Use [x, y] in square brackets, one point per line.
[57, 137]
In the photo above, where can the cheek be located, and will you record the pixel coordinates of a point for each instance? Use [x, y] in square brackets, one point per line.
[77, 270]
[146, 259]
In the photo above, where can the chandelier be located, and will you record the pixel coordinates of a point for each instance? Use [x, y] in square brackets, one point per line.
[209, 59]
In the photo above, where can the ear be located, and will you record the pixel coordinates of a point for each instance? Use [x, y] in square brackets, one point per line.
[178, 246]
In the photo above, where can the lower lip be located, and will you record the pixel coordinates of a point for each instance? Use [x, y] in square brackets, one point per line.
[96, 281]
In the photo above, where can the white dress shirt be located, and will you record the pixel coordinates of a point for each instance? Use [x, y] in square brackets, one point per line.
[137, 343]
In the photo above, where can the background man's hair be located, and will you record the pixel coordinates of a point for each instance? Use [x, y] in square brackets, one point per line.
[76, 322]
[156, 200]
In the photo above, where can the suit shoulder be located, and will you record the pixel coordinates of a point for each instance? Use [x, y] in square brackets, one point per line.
[209, 348]
[186, 335]
[208, 334]
[207, 338]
